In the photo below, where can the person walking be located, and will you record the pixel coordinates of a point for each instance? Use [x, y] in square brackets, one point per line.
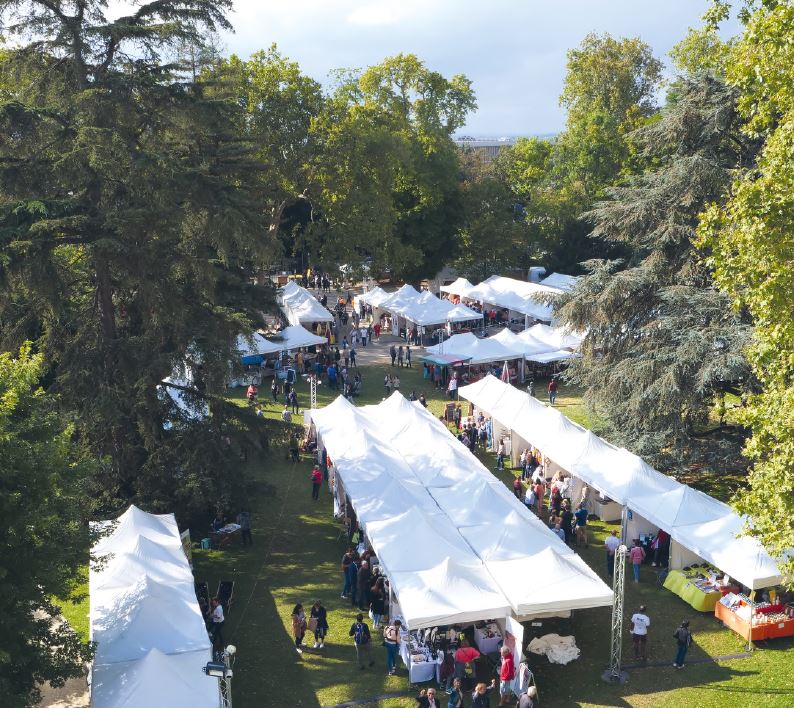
[639, 633]
[392, 640]
[612, 543]
[387, 385]
[362, 641]
[298, 626]
[377, 602]
[400, 356]
[244, 519]
[317, 480]
[274, 390]
[353, 358]
[581, 526]
[319, 621]
[566, 521]
[452, 387]
[408, 356]
[683, 638]
[347, 559]
[352, 576]
[500, 454]
[393, 354]
[637, 555]
[507, 672]
[552, 391]
[293, 400]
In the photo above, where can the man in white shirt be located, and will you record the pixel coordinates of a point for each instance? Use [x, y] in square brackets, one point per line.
[612, 544]
[217, 623]
[639, 633]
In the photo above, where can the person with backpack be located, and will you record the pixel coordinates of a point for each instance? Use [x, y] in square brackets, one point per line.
[391, 638]
[362, 641]
[683, 637]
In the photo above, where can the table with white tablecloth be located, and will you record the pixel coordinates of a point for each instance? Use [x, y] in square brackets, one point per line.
[488, 638]
[418, 660]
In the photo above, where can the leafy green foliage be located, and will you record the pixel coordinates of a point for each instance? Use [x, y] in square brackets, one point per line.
[750, 240]
[45, 533]
[663, 345]
[129, 210]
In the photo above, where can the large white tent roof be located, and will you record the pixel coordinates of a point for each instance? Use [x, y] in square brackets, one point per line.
[450, 593]
[424, 308]
[295, 337]
[415, 489]
[478, 351]
[151, 642]
[255, 344]
[516, 295]
[560, 281]
[373, 297]
[704, 525]
[173, 680]
[300, 306]
[461, 287]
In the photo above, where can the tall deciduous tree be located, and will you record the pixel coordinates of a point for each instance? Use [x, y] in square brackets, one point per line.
[610, 89]
[393, 130]
[45, 533]
[751, 243]
[130, 220]
[664, 346]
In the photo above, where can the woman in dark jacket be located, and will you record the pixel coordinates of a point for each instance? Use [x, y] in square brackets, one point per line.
[319, 614]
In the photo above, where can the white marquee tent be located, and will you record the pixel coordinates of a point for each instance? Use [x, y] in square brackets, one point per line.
[255, 345]
[296, 337]
[151, 642]
[699, 523]
[301, 307]
[478, 351]
[560, 281]
[460, 287]
[413, 487]
[373, 297]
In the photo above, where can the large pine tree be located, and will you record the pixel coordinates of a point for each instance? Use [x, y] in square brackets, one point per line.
[130, 222]
[664, 347]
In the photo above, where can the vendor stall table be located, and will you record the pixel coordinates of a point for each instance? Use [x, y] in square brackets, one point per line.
[769, 622]
[487, 639]
[427, 669]
[694, 588]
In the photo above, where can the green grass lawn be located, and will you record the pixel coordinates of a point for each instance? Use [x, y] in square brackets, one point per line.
[296, 559]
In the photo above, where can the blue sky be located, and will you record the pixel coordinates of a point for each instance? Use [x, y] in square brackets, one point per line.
[512, 50]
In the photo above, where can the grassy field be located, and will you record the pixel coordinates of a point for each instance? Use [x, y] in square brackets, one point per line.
[295, 558]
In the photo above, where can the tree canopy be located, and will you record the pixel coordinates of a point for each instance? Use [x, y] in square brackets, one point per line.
[750, 243]
[46, 537]
[664, 346]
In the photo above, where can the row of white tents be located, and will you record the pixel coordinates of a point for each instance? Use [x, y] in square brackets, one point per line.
[457, 546]
[540, 343]
[301, 307]
[700, 526]
[532, 300]
[423, 309]
[151, 642]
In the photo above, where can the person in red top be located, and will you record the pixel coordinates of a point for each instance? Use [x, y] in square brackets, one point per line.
[637, 555]
[317, 480]
[539, 490]
[518, 489]
[552, 391]
[252, 393]
[507, 672]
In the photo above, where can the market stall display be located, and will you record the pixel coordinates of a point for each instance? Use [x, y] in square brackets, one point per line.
[695, 587]
[768, 621]
[422, 661]
[488, 638]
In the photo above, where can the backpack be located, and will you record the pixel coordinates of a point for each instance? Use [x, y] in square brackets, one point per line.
[361, 634]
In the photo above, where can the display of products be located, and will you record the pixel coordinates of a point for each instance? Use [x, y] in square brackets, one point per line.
[759, 620]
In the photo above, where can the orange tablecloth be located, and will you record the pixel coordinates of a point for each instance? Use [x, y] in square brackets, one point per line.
[769, 630]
